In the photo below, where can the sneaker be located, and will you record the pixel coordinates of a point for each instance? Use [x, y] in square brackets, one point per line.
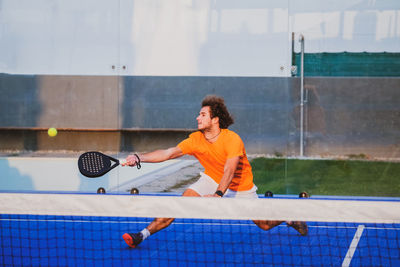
[133, 240]
[300, 227]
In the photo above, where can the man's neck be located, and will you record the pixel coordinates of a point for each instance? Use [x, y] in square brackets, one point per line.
[211, 134]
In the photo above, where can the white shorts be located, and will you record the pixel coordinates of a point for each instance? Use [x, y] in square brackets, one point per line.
[207, 186]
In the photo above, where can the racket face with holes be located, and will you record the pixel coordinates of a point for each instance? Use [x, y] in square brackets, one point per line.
[95, 164]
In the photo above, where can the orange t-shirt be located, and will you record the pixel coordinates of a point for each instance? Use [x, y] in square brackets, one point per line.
[212, 156]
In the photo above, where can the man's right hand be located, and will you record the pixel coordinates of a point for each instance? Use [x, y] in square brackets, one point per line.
[131, 161]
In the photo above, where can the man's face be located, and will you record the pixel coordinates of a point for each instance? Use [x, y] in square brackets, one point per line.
[204, 120]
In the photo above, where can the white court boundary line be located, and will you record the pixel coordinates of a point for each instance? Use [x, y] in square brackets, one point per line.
[353, 246]
[192, 223]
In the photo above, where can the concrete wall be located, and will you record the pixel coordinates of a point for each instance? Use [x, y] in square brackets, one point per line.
[343, 115]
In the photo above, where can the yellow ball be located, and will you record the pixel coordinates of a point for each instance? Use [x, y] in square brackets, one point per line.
[52, 132]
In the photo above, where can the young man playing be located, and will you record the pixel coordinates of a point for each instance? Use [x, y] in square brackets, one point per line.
[222, 154]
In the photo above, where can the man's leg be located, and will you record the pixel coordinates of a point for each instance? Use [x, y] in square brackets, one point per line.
[156, 225]
[267, 225]
[300, 227]
[160, 223]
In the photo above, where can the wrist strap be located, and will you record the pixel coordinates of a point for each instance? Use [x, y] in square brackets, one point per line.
[138, 163]
[219, 193]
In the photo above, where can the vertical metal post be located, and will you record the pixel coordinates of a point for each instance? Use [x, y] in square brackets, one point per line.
[301, 40]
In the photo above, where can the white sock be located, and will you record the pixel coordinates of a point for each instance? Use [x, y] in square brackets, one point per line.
[145, 233]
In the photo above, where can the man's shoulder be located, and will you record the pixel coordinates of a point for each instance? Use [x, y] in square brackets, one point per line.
[231, 134]
[231, 137]
[195, 135]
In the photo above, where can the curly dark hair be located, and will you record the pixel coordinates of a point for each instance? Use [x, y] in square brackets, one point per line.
[218, 109]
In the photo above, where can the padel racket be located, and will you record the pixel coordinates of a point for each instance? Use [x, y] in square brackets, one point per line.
[95, 164]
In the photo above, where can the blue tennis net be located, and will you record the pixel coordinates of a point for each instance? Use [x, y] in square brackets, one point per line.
[35, 232]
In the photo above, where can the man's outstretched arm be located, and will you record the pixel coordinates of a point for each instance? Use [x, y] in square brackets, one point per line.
[155, 156]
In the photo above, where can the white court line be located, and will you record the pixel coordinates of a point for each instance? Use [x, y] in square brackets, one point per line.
[353, 246]
[193, 223]
[129, 222]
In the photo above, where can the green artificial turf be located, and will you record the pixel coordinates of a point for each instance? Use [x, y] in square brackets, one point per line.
[327, 177]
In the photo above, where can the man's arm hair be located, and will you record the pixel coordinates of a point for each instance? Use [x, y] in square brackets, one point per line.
[161, 155]
[155, 156]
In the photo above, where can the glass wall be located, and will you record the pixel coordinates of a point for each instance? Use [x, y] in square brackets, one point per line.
[129, 76]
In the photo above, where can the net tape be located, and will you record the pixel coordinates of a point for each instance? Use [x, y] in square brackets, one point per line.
[319, 210]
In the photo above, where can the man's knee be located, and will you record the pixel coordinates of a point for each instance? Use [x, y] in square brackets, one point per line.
[267, 225]
[190, 193]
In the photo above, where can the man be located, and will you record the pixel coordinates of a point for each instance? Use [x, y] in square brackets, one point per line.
[222, 154]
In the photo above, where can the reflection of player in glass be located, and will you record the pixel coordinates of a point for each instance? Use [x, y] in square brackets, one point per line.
[222, 154]
[315, 115]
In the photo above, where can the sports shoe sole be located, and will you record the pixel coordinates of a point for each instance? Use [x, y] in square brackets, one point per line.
[128, 240]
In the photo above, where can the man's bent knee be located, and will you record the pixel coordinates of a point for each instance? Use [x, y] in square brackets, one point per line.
[267, 225]
[190, 193]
